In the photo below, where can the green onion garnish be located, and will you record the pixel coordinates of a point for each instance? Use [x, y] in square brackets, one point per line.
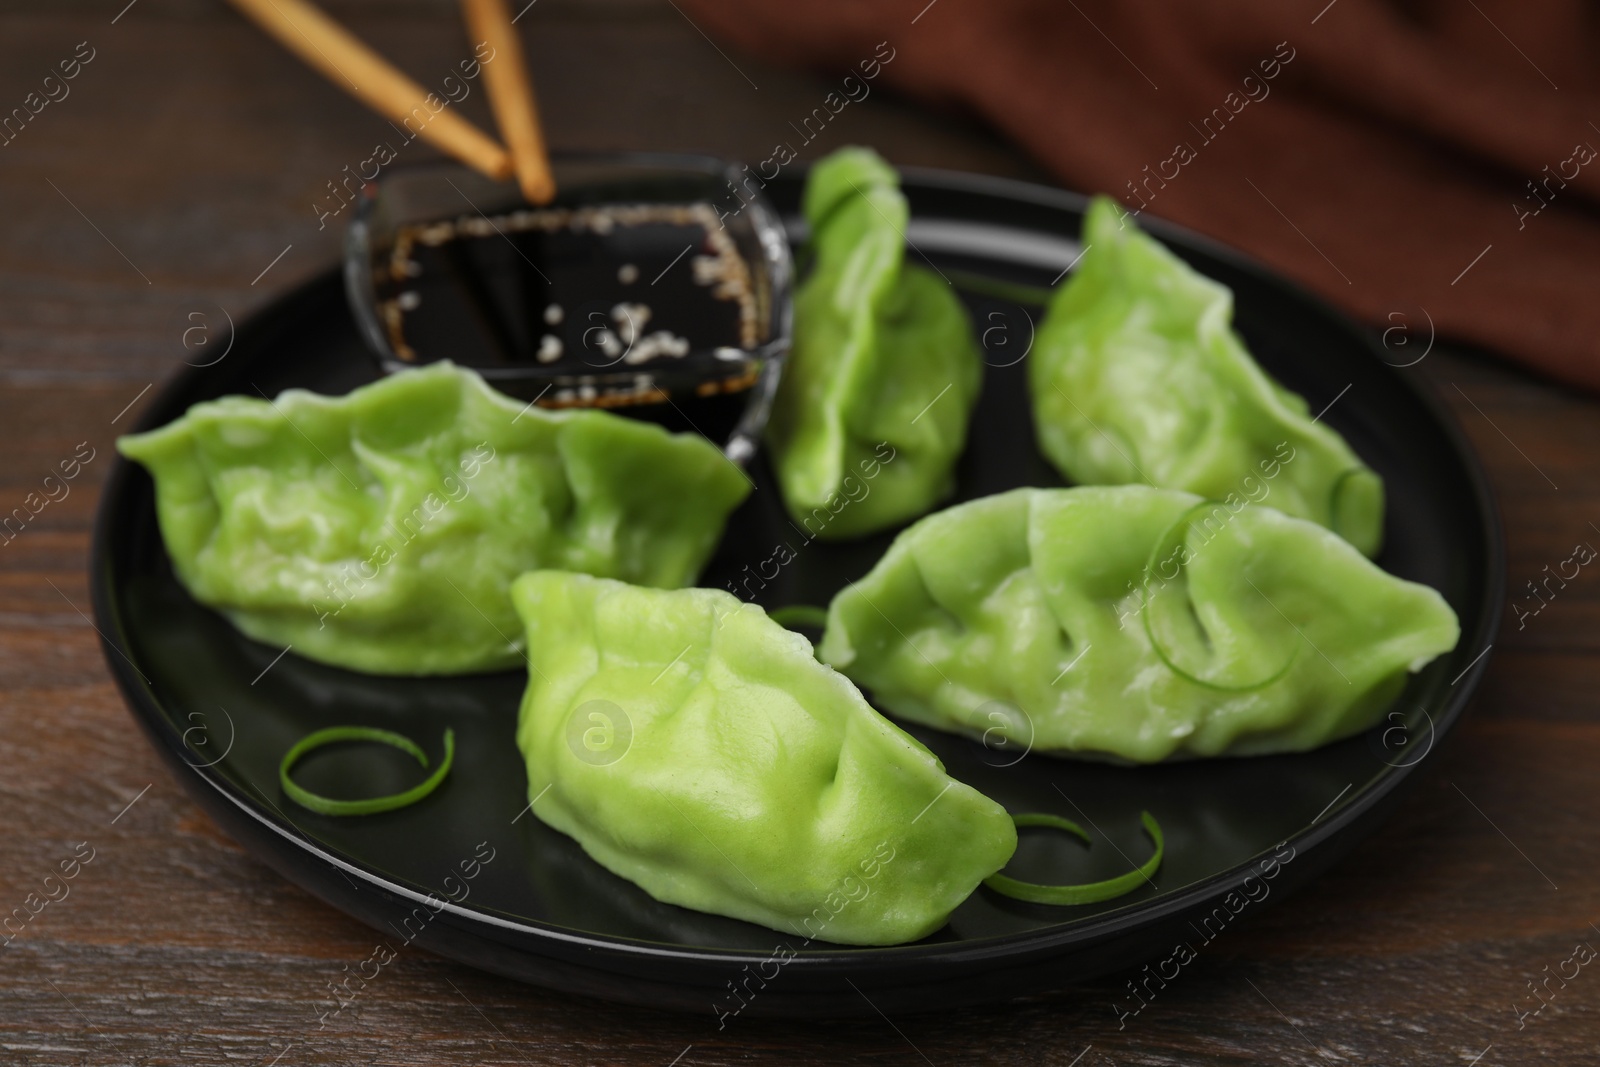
[335, 734]
[1089, 892]
[1015, 292]
[793, 615]
[1170, 619]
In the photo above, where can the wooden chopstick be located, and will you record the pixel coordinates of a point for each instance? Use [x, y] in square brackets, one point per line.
[511, 95]
[328, 47]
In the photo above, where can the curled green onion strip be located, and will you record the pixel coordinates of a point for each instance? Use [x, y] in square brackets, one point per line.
[1168, 655]
[1016, 292]
[1089, 892]
[1353, 479]
[371, 805]
[793, 615]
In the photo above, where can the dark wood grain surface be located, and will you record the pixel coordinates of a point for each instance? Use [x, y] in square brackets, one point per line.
[180, 173]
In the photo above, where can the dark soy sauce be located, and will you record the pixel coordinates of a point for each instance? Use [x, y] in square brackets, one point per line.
[646, 310]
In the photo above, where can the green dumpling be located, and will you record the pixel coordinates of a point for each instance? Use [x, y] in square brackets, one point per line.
[379, 531]
[1134, 623]
[871, 414]
[696, 748]
[1137, 376]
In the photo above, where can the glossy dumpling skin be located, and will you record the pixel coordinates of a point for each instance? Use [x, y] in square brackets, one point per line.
[1133, 623]
[730, 772]
[380, 530]
[872, 411]
[1137, 376]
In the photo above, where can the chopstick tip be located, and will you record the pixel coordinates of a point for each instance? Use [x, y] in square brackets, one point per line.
[538, 189]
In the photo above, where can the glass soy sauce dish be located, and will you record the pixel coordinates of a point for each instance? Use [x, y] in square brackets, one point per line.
[648, 287]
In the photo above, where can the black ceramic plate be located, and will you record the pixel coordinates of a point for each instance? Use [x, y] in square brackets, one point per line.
[222, 710]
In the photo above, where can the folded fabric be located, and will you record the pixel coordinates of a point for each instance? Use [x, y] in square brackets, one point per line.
[1426, 166]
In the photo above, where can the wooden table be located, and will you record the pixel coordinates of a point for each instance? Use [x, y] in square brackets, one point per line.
[180, 174]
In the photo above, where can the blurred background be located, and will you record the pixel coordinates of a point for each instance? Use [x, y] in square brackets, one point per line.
[1394, 157]
[192, 149]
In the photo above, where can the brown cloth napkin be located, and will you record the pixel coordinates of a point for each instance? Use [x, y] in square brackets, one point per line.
[1429, 159]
